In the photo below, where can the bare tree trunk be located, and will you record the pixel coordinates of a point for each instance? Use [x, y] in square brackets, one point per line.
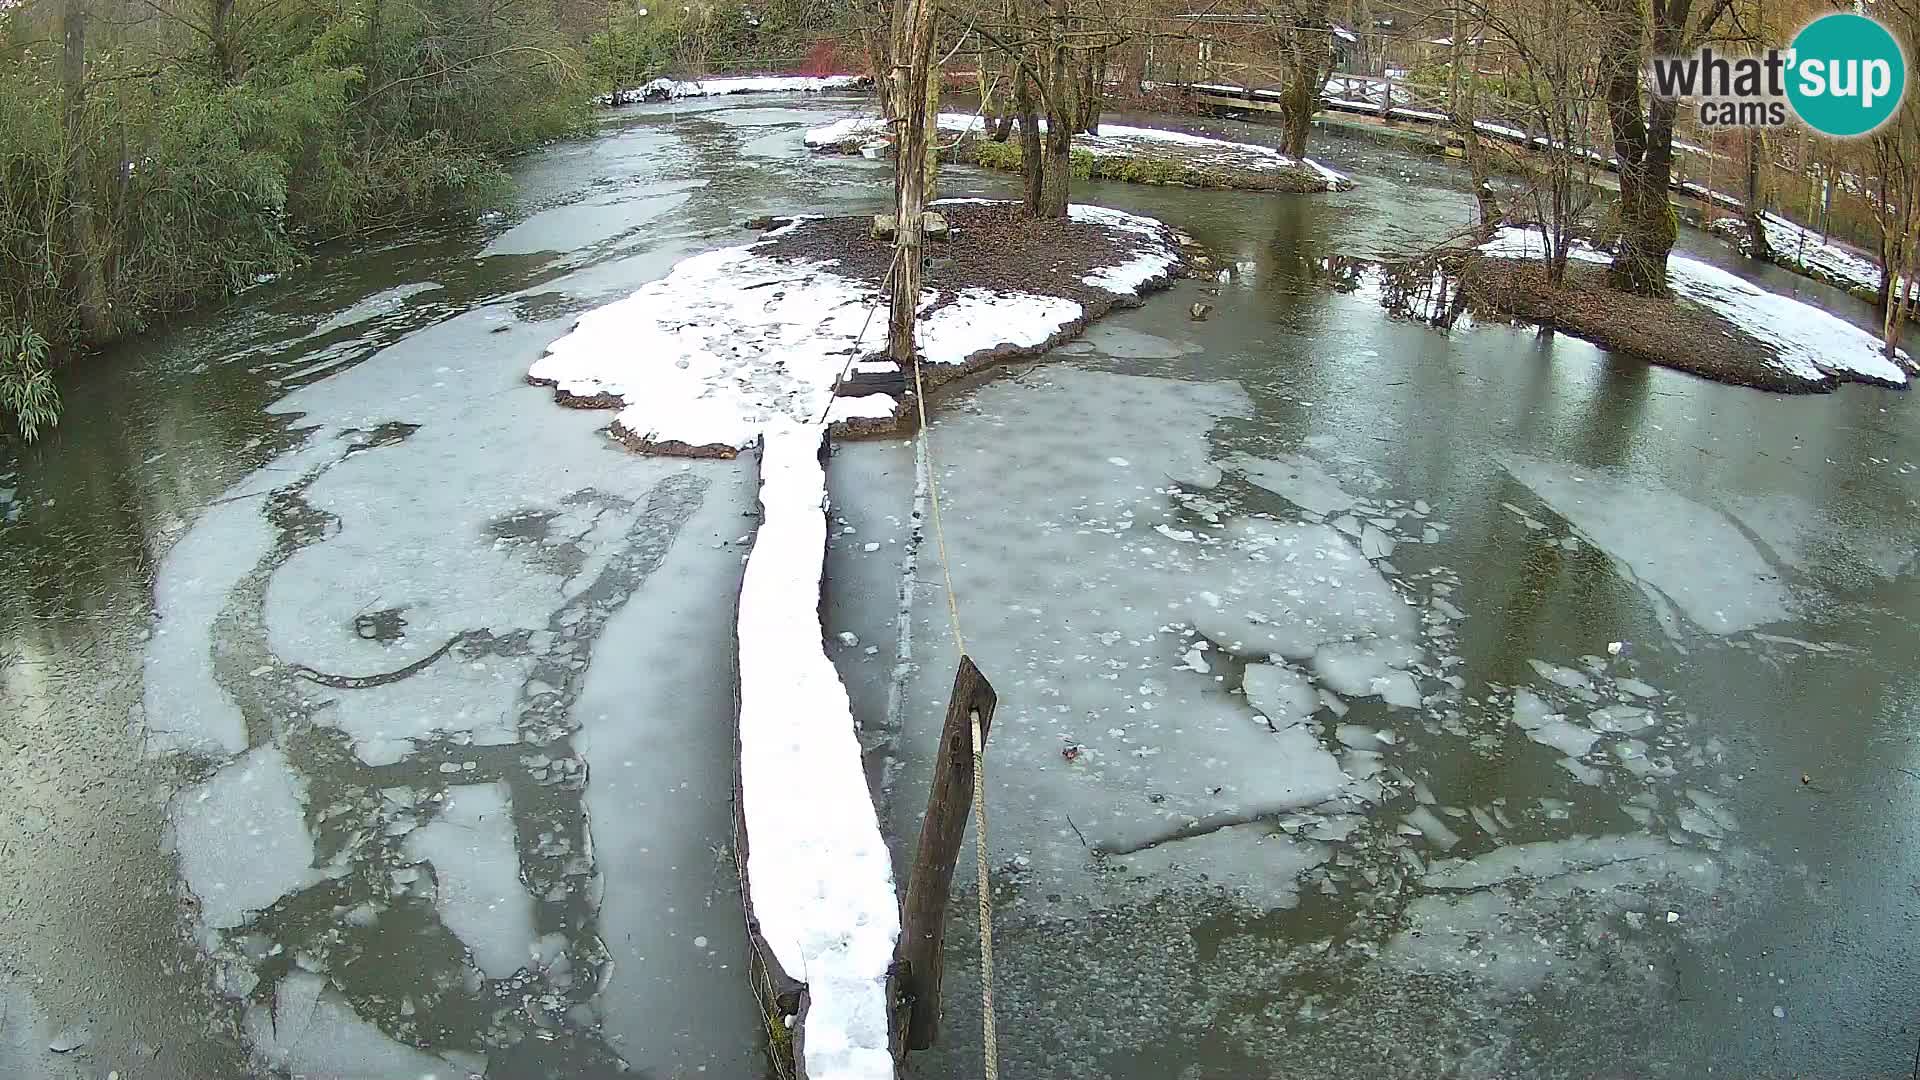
[913, 57]
[1312, 39]
[1057, 91]
[1757, 245]
[88, 278]
[220, 35]
[936, 82]
[1643, 143]
[1032, 159]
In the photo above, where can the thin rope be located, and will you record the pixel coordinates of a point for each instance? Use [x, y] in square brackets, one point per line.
[988, 1038]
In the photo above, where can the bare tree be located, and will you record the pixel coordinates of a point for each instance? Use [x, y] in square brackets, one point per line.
[1642, 127]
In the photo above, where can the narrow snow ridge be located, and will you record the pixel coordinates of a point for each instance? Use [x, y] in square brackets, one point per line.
[818, 873]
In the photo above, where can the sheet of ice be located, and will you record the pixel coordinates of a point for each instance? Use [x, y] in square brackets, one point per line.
[480, 898]
[1080, 607]
[734, 339]
[1677, 551]
[1280, 692]
[311, 1031]
[818, 873]
[1811, 344]
[1114, 140]
[185, 707]
[1296, 478]
[380, 303]
[241, 837]
[1516, 915]
[1253, 862]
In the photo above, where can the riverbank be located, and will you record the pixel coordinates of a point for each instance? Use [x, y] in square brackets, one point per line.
[794, 326]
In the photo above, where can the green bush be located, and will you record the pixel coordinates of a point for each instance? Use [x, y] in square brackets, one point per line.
[197, 182]
[27, 393]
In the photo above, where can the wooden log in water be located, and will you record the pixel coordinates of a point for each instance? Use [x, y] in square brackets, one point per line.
[923, 914]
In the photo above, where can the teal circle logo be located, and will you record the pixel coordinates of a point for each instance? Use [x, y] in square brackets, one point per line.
[1848, 75]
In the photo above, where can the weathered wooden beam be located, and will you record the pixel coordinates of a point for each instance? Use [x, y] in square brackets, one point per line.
[923, 915]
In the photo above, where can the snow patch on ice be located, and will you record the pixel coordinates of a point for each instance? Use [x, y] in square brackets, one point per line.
[733, 340]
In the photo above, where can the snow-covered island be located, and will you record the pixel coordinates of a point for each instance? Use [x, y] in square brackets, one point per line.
[1715, 324]
[1117, 152]
[665, 89]
[793, 327]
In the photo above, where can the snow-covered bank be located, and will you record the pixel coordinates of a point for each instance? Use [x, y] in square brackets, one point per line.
[674, 89]
[701, 361]
[1115, 143]
[1804, 251]
[819, 879]
[1810, 346]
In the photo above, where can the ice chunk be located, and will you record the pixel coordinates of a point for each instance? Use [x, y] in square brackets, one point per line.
[242, 837]
[1430, 826]
[481, 899]
[1366, 668]
[1621, 718]
[1280, 692]
[1296, 478]
[1676, 550]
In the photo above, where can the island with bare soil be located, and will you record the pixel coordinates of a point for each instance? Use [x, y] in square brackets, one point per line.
[1709, 322]
[794, 326]
[1116, 152]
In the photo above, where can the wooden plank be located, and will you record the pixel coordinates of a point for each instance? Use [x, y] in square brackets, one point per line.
[923, 915]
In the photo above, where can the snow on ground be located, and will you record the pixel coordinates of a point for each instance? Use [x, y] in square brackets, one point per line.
[819, 875]
[1812, 253]
[733, 340]
[476, 867]
[674, 89]
[1811, 344]
[1114, 140]
[1680, 553]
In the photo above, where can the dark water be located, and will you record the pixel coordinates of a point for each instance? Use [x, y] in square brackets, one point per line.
[342, 473]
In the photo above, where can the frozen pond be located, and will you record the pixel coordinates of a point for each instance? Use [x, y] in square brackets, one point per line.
[371, 716]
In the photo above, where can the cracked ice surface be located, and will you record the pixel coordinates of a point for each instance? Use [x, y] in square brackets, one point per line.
[241, 837]
[480, 897]
[1118, 727]
[1680, 553]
